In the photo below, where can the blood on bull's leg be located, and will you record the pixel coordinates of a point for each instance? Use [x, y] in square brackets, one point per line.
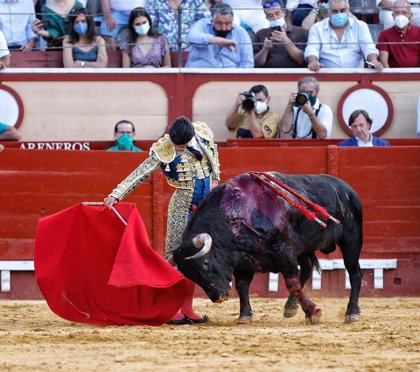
[306, 263]
[313, 314]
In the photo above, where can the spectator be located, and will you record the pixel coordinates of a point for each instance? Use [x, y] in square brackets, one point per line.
[116, 15]
[360, 124]
[145, 48]
[318, 14]
[8, 133]
[165, 18]
[305, 116]
[280, 45]
[399, 46]
[250, 115]
[218, 43]
[82, 47]
[4, 52]
[298, 10]
[250, 14]
[189, 160]
[54, 25]
[385, 12]
[124, 133]
[16, 17]
[211, 3]
[338, 41]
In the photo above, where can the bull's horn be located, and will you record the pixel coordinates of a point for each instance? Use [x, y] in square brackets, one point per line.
[202, 241]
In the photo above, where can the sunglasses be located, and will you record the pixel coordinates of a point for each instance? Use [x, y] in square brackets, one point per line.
[269, 4]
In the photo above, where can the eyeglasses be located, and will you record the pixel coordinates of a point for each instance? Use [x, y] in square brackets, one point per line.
[269, 4]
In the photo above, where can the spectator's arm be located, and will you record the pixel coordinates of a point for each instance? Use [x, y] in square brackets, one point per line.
[313, 47]
[110, 22]
[68, 60]
[167, 60]
[310, 19]
[260, 57]
[254, 125]
[286, 124]
[126, 59]
[10, 134]
[200, 36]
[30, 45]
[383, 58]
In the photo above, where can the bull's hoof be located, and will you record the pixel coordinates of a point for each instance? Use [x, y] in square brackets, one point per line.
[315, 318]
[352, 318]
[289, 313]
[245, 319]
[290, 307]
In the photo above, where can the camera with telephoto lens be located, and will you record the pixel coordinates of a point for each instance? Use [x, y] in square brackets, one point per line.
[302, 97]
[248, 103]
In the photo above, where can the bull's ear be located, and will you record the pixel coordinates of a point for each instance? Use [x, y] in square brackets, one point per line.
[202, 241]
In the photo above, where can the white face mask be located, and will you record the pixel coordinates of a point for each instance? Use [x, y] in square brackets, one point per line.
[260, 107]
[401, 21]
[277, 22]
[143, 29]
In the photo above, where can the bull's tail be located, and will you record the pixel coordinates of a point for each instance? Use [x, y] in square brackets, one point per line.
[314, 260]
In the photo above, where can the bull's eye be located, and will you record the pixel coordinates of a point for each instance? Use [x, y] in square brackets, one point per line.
[205, 265]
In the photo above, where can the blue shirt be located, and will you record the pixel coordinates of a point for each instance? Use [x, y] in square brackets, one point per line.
[205, 55]
[355, 45]
[16, 21]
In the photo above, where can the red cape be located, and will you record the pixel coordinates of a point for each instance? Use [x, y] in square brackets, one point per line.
[91, 268]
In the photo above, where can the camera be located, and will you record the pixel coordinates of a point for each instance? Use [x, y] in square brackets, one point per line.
[302, 97]
[248, 103]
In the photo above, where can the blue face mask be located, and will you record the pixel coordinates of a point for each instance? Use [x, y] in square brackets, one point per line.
[339, 20]
[143, 29]
[80, 28]
[125, 142]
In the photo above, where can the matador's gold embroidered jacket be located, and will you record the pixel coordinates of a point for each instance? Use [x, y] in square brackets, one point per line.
[180, 169]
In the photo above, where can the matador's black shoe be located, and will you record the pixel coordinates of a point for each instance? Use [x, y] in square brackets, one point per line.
[184, 321]
[204, 319]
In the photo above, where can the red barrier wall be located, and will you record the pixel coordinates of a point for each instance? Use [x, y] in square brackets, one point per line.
[35, 184]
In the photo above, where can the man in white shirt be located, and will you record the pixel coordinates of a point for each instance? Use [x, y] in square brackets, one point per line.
[339, 41]
[16, 17]
[4, 53]
[305, 116]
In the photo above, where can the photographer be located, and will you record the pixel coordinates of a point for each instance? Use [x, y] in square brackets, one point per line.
[305, 116]
[250, 116]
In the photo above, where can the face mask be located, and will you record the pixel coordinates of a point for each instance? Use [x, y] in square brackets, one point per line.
[339, 20]
[260, 107]
[312, 100]
[221, 33]
[125, 142]
[401, 21]
[325, 5]
[143, 29]
[277, 23]
[80, 28]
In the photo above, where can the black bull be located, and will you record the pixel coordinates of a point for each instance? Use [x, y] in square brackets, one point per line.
[243, 227]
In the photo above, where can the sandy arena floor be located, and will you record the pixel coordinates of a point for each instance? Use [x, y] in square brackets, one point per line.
[387, 338]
